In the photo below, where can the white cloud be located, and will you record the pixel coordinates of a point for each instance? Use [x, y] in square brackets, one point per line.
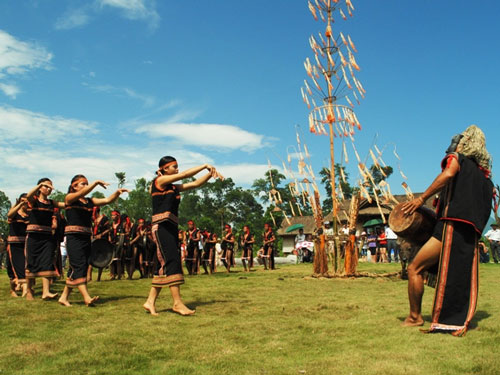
[147, 100]
[9, 90]
[135, 9]
[244, 173]
[17, 58]
[222, 137]
[20, 125]
[142, 10]
[73, 19]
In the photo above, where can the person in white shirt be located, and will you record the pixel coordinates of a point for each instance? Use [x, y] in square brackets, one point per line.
[493, 235]
[301, 237]
[392, 244]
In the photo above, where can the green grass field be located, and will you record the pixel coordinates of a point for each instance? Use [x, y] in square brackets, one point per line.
[279, 322]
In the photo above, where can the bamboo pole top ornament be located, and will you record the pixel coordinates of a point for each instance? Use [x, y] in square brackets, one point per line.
[335, 64]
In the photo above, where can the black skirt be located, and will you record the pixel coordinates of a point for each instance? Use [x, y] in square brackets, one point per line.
[168, 264]
[78, 247]
[41, 255]
[16, 262]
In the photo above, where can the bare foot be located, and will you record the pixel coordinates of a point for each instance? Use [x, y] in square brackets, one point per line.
[13, 294]
[64, 302]
[29, 296]
[182, 309]
[91, 301]
[411, 322]
[50, 296]
[150, 309]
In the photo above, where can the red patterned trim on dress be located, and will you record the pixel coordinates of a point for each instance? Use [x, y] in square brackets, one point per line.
[159, 252]
[16, 239]
[41, 209]
[474, 283]
[77, 229]
[38, 228]
[164, 281]
[461, 221]
[443, 272]
[32, 275]
[167, 215]
[163, 192]
[78, 208]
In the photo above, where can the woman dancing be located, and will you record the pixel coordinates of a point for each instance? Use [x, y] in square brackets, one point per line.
[41, 244]
[166, 199]
[79, 233]
[18, 220]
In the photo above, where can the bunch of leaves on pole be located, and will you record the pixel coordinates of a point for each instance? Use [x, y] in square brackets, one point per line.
[331, 83]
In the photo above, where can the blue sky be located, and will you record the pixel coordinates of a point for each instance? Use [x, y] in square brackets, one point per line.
[101, 86]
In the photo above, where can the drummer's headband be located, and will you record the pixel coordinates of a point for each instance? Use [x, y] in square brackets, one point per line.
[190, 222]
[115, 212]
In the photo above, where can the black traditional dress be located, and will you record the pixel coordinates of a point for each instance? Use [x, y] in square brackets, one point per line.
[228, 245]
[209, 251]
[41, 244]
[248, 248]
[269, 247]
[78, 233]
[15, 248]
[463, 211]
[193, 251]
[168, 270]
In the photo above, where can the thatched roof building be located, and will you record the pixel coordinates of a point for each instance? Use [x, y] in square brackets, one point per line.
[367, 211]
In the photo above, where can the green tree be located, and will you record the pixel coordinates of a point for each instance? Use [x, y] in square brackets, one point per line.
[138, 203]
[120, 176]
[346, 187]
[5, 206]
[378, 176]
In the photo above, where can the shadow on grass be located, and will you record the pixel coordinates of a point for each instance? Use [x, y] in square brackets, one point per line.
[195, 304]
[106, 299]
[480, 315]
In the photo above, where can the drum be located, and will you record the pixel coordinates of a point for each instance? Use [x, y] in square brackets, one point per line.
[101, 253]
[416, 228]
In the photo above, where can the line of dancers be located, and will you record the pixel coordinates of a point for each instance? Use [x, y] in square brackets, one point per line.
[199, 249]
[157, 248]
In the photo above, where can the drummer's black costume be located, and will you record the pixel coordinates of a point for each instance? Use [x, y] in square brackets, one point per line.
[209, 252]
[15, 248]
[117, 239]
[193, 251]
[269, 247]
[463, 211]
[227, 246]
[78, 233]
[168, 270]
[248, 248]
[41, 244]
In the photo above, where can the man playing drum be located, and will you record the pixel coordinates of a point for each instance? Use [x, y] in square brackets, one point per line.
[463, 211]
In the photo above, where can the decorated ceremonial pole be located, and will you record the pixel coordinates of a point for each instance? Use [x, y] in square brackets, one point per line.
[339, 81]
